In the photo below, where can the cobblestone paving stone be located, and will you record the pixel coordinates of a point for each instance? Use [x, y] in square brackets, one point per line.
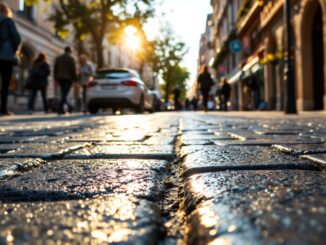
[319, 159]
[14, 167]
[97, 200]
[162, 178]
[218, 158]
[114, 219]
[46, 150]
[127, 149]
[270, 207]
[62, 180]
[301, 149]
[233, 197]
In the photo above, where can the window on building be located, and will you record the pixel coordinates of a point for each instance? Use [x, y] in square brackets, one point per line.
[230, 16]
[25, 10]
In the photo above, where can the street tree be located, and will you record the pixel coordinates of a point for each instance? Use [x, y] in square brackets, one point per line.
[145, 52]
[97, 18]
[179, 76]
[166, 59]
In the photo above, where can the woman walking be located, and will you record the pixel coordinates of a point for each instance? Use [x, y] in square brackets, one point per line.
[9, 43]
[205, 83]
[86, 74]
[38, 80]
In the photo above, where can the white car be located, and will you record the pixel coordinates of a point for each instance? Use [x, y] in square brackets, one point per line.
[118, 88]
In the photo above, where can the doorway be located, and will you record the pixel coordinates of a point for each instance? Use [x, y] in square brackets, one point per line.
[318, 60]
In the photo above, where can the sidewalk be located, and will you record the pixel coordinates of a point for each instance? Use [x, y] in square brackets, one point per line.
[163, 178]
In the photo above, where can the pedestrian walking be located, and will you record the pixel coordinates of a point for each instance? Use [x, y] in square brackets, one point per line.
[187, 104]
[38, 81]
[225, 94]
[211, 103]
[205, 83]
[9, 45]
[194, 103]
[176, 97]
[65, 74]
[86, 73]
[255, 91]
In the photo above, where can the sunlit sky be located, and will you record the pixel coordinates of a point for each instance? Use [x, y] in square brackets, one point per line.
[187, 18]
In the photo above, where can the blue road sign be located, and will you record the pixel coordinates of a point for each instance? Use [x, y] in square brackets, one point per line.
[235, 46]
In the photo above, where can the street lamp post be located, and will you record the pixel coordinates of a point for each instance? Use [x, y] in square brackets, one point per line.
[288, 78]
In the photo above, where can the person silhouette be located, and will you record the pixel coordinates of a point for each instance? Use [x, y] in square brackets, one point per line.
[205, 83]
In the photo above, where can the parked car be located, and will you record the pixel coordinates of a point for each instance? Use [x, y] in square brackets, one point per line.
[157, 100]
[118, 88]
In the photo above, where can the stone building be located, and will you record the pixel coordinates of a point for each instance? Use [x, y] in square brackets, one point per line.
[206, 45]
[226, 62]
[206, 52]
[260, 27]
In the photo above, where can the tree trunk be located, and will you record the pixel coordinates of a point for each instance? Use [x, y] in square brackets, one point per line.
[99, 53]
[167, 91]
[80, 47]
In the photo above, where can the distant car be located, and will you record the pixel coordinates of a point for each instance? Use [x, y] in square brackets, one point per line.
[157, 100]
[168, 106]
[118, 88]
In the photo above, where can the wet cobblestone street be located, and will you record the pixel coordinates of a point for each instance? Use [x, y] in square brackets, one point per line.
[163, 178]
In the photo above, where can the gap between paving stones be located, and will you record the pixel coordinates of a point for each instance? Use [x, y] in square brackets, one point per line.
[52, 156]
[173, 211]
[19, 169]
[38, 160]
[161, 156]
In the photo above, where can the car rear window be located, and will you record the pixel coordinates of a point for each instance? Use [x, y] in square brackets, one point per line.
[112, 74]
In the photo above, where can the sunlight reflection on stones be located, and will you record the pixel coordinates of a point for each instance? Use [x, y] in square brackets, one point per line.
[222, 241]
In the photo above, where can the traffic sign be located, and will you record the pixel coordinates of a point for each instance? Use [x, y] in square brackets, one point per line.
[235, 46]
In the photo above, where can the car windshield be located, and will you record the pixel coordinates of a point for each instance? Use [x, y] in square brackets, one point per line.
[113, 74]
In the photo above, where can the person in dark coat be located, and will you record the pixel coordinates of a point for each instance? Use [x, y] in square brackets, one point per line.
[255, 91]
[65, 74]
[38, 80]
[194, 103]
[205, 83]
[9, 45]
[225, 94]
[176, 96]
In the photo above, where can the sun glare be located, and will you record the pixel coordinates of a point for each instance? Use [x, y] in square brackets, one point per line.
[133, 42]
[131, 38]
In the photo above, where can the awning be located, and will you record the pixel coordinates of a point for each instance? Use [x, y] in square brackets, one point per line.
[250, 64]
[235, 77]
[251, 67]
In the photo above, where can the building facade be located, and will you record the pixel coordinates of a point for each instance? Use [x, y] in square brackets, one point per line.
[38, 36]
[257, 76]
[206, 53]
[225, 63]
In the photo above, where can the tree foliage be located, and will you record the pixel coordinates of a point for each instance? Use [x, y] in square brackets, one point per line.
[166, 58]
[97, 18]
[179, 77]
